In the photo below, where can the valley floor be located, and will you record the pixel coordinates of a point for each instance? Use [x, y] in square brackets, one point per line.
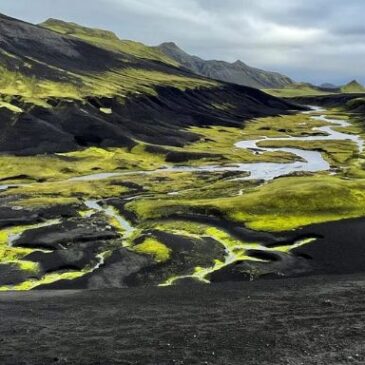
[284, 204]
[312, 321]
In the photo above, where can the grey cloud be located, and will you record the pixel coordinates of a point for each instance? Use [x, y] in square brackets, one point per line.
[314, 40]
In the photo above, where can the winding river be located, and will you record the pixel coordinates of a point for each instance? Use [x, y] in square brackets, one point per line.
[309, 161]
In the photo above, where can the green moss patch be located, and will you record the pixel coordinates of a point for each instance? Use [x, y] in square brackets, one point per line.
[156, 249]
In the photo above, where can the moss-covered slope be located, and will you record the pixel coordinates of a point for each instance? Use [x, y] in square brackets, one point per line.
[61, 93]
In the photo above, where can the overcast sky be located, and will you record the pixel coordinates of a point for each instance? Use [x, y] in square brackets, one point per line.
[309, 40]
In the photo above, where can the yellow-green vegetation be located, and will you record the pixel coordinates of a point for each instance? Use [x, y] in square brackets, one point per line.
[107, 84]
[15, 256]
[353, 87]
[108, 40]
[236, 251]
[282, 204]
[28, 266]
[36, 91]
[299, 89]
[46, 279]
[151, 246]
[89, 161]
[336, 152]
[297, 125]
[11, 107]
[221, 140]
[106, 110]
[6, 235]
[67, 191]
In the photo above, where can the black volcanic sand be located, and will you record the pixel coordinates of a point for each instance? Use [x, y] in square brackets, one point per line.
[76, 243]
[303, 321]
[339, 249]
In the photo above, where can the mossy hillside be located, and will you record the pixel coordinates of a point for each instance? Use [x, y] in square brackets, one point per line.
[353, 87]
[108, 40]
[283, 204]
[118, 82]
[294, 90]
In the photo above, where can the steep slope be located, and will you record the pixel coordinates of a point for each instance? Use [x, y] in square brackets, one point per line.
[237, 72]
[60, 93]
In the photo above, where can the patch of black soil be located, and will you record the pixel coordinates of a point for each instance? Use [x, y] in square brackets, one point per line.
[68, 234]
[340, 251]
[312, 321]
[114, 273]
[179, 157]
[12, 275]
[72, 259]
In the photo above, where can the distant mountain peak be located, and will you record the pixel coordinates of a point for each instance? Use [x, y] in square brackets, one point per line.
[239, 63]
[354, 83]
[353, 86]
[171, 45]
[237, 72]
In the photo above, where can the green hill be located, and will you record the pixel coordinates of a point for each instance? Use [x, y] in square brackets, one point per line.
[353, 87]
[108, 40]
[299, 89]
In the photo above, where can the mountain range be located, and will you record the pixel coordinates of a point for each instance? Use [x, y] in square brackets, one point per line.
[237, 72]
[66, 87]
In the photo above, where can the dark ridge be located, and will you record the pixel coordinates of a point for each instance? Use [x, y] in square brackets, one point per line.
[159, 120]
